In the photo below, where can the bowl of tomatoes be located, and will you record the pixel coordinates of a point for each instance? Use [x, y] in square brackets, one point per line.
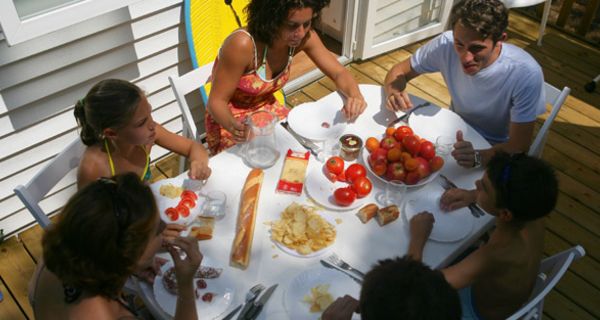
[401, 155]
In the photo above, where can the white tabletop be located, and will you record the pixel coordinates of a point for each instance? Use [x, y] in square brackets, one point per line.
[361, 245]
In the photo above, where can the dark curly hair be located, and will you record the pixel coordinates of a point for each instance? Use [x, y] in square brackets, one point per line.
[265, 17]
[110, 103]
[525, 185]
[101, 234]
[403, 288]
[487, 17]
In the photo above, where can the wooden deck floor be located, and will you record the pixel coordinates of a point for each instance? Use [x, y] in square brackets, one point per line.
[573, 148]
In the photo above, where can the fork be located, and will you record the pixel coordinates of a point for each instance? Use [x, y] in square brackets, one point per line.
[250, 296]
[334, 259]
[447, 184]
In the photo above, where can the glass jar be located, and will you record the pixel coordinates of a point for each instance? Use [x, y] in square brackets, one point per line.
[350, 145]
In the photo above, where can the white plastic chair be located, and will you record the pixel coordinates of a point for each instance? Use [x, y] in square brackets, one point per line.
[182, 85]
[556, 98]
[551, 270]
[527, 3]
[35, 190]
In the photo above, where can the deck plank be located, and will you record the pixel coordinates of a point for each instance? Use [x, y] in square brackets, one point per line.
[9, 308]
[16, 270]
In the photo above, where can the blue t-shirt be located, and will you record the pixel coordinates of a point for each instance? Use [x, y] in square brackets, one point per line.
[511, 89]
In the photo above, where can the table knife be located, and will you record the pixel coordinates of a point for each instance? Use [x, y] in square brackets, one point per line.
[405, 116]
[309, 145]
[329, 265]
[258, 305]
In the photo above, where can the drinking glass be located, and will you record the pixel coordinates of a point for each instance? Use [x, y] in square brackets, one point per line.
[444, 145]
[331, 147]
[214, 205]
[392, 194]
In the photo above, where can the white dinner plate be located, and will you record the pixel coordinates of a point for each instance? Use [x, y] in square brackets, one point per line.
[446, 123]
[321, 189]
[309, 119]
[365, 159]
[223, 287]
[314, 254]
[448, 226]
[339, 285]
[163, 202]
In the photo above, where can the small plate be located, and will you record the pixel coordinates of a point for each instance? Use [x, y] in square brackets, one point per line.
[448, 226]
[163, 202]
[446, 123]
[339, 285]
[223, 287]
[314, 254]
[321, 189]
[309, 119]
[365, 159]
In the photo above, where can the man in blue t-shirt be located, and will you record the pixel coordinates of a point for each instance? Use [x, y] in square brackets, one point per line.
[496, 87]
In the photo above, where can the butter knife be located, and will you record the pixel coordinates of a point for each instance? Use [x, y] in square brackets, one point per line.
[309, 145]
[329, 265]
[405, 116]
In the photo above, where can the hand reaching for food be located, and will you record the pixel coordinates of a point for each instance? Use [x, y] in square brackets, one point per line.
[185, 267]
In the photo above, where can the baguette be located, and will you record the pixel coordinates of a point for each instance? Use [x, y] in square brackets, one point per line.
[367, 212]
[242, 244]
[387, 215]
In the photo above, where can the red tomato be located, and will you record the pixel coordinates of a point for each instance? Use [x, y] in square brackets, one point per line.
[436, 163]
[402, 132]
[172, 214]
[379, 166]
[387, 143]
[411, 144]
[189, 194]
[183, 211]
[427, 150]
[187, 202]
[335, 165]
[354, 171]
[379, 153]
[362, 186]
[344, 196]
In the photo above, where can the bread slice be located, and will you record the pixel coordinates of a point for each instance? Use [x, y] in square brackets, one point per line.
[367, 212]
[202, 228]
[387, 214]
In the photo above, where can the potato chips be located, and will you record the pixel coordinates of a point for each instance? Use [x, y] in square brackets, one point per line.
[170, 191]
[302, 229]
[319, 298]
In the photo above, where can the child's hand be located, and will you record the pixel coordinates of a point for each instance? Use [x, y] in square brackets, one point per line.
[199, 169]
[341, 309]
[455, 198]
[420, 226]
[172, 231]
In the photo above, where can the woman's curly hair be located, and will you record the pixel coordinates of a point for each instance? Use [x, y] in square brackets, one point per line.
[265, 17]
[487, 17]
[101, 234]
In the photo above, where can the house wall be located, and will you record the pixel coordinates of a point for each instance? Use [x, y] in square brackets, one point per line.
[41, 79]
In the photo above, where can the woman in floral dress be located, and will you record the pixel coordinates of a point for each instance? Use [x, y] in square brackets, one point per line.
[254, 62]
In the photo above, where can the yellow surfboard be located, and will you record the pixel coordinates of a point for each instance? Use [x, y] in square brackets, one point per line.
[207, 24]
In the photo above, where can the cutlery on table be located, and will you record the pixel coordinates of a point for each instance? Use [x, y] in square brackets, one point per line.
[335, 260]
[447, 184]
[329, 265]
[257, 306]
[405, 116]
[309, 145]
[250, 297]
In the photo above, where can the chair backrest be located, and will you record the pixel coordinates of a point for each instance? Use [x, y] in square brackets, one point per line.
[551, 270]
[182, 85]
[556, 98]
[35, 190]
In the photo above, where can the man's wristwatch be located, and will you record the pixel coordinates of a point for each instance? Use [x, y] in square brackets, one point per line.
[477, 161]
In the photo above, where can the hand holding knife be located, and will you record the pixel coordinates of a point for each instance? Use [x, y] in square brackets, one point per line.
[257, 306]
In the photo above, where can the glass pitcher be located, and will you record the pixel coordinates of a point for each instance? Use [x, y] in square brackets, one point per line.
[261, 149]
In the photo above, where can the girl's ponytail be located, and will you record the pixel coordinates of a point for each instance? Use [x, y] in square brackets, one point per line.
[88, 135]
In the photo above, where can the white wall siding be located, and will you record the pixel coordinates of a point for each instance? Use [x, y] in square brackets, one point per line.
[41, 79]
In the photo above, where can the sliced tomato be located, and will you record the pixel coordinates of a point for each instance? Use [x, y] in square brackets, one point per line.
[183, 211]
[187, 202]
[172, 213]
[189, 194]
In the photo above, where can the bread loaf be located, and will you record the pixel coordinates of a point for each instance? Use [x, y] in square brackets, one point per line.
[387, 215]
[242, 243]
[367, 212]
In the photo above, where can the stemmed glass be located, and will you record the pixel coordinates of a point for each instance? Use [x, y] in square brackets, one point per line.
[394, 193]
